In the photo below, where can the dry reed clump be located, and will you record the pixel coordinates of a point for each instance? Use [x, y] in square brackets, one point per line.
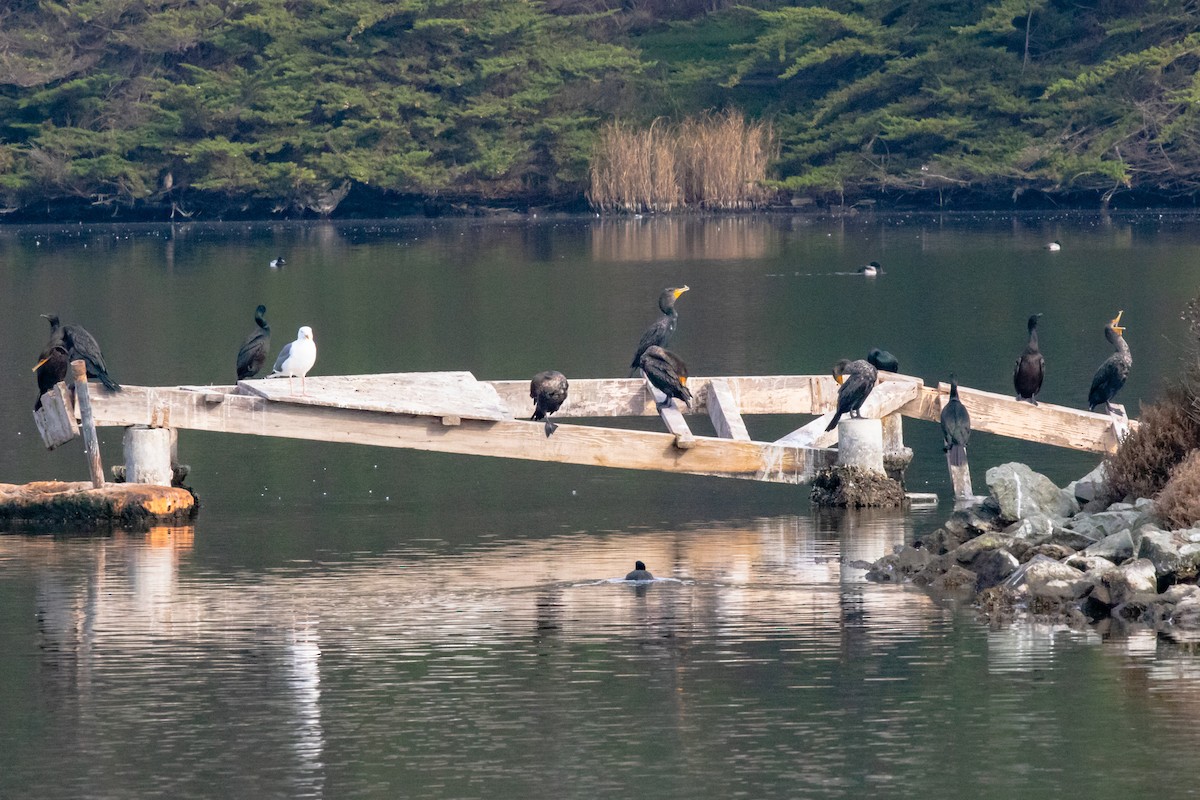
[1178, 504]
[1167, 433]
[718, 161]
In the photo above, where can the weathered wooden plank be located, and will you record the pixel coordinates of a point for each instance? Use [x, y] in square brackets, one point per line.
[1059, 426]
[436, 394]
[55, 420]
[571, 444]
[723, 411]
[671, 416]
[886, 398]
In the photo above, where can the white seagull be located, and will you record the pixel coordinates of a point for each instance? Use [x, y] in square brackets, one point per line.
[296, 359]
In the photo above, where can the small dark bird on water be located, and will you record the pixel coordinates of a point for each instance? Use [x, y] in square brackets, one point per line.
[639, 573]
[548, 390]
[956, 426]
[80, 345]
[277, 263]
[882, 360]
[857, 379]
[667, 373]
[253, 353]
[51, 368]
[1031, 367]
[1111, 375]
[659, 334]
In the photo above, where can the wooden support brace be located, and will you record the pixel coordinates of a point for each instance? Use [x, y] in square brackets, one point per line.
[91, 442]
[1120, 422]
[885, 399]
[723, 411]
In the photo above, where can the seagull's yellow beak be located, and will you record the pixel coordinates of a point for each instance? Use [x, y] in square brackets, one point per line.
[680, 291]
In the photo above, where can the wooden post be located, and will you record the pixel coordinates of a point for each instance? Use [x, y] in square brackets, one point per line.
[1120, 422]
[960, 476]
[91, 442]
[148, 455]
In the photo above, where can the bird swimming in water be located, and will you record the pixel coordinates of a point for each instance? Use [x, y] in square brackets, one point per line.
[639, 573]
[663, 328]
[80, 344]
[548, 390]
[857, 379]
[956, 426]
[52, 368]
[296, 359]
[871, 270]
[253, 353]
[1111, 375]
[667, 373]
[882, 360]
[277, 263]
[1030, 368]
[1054, 246]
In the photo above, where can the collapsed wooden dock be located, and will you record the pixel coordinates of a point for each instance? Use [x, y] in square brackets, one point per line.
[452, 412]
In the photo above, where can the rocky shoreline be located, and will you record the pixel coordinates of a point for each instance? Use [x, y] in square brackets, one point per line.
[1033, 550]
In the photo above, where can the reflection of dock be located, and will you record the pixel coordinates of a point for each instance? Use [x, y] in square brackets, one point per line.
[454, 413]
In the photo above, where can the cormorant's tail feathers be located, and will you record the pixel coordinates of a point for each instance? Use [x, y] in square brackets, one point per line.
[109, 382]
[958, 455]
[833, 422]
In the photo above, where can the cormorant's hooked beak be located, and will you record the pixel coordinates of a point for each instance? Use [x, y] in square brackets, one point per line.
[39, 364]
[839, 377]
[680, 291]
[1116, 324]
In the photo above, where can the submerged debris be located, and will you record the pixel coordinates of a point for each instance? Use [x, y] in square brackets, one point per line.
[855, 487]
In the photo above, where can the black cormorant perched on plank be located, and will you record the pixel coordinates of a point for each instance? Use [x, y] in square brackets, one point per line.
[80, 345]
[667, 373]
[548, 390]
[871, 270]
[51, 368]
[1111, 376]
[857, 379]
[956, 426]
[883, 360]
[256, 347]
[640, 573]
[1031, 367]
[660, 332]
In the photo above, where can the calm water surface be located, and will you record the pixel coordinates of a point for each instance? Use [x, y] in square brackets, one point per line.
[348, 622]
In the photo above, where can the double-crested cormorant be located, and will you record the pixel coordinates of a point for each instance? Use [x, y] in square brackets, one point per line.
[254, 350]
[51, 368]
[296, 359]
[659, 334]
[956, 426]
[667, 373]
[548, 390]
[883, 360]
[1111, 376]
[640, 573]
[871, 270]
[80, 345]
[857, 379]
[1031, 367]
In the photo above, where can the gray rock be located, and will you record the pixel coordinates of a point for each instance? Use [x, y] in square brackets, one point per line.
[1046, 578]
[1130, 581]
[1116, 547]
[955, 579]
[975, 520]
[1093, 564]
[1179, 592]
[942, 541]
[1035, 527]
[1169, 551]
[1091, 486]
[1105, 523]
[992, 567]
[1020, 492]
[1186, 613]
[970, 549]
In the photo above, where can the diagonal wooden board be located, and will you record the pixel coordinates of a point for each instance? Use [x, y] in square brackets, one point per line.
[449, 395]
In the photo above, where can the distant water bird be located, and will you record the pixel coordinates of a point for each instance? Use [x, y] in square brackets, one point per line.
[296, 359]
[871, 270]
[857, 379]
[639, 573]
[80, 344]
[659, 334]
[1111, 375]
[667, 373]
[1054, 246]
[882, 360]
[548, 390]
[52, 368]
[1030, 368]
[253, 353]
[956, 426]
[276, 263]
